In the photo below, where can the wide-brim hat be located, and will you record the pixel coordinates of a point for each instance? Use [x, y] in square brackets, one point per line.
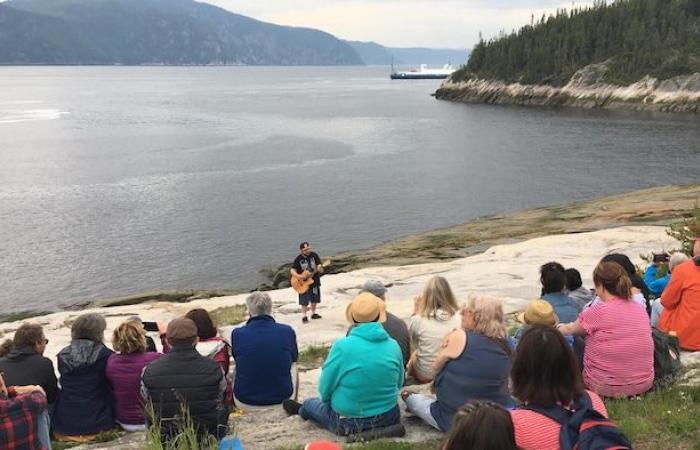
[539, 312]
[365, 308]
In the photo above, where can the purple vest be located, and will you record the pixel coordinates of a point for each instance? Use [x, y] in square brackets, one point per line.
[124, 374]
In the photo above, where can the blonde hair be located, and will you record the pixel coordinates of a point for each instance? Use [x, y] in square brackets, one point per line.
[488, 315]
[437, 295]
[129, 337]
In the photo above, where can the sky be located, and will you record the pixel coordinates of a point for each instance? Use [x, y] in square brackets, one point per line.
[401, 23]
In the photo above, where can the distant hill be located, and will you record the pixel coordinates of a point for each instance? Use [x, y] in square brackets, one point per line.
[376, 54]
[633, 38]
[168, 32]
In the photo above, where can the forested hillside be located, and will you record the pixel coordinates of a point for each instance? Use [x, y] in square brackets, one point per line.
[660, 38]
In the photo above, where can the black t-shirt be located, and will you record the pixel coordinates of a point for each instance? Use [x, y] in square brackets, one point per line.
[310, 263]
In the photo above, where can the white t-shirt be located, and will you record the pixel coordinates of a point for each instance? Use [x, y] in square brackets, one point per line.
[426, 338]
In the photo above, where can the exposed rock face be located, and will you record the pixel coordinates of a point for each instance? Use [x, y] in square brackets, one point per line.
[586, 89]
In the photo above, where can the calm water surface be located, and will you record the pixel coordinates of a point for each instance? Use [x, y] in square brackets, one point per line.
[117, 180]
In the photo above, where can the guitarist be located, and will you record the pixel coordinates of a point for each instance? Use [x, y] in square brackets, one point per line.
[308, 264]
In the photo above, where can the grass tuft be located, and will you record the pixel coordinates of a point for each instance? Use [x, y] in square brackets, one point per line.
[229, 315]
[312, 357]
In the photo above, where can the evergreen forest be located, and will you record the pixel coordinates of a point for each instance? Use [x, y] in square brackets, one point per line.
[635, 38]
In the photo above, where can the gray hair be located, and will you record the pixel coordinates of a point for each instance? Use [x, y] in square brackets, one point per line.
[375, 287]
[259, 303]
[89, 326]
[677, 258]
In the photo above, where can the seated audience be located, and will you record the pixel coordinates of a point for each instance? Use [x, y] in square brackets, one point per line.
[85, 404]
[640, 291]
[681, 302]
[656, 308]
[212, 345]
[545, 374]
[473, 364]
[264, 351]
[21, 410]
[575, 289]
[553, 279]
[481, 425]
[124, 371]
[538, 312]
[434, 316]
[22, 361]
[618, 360]
[184, 378]
[395, 327]
[361, 377]
[657, 274]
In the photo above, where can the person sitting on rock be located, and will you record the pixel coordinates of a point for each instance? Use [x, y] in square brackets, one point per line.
[538, 312]
[435, 315]
[211, 344]
[473, 364]
[361, 377]
[553, 279]
[395, 327]
[676, 259]
[575, 289]
[21, 409]
[184, 379]
[124, 371]
[640, 291]
[22, 360]
[264, 351]
[85, 405]
[681, 302]
[545, 374]
[482, 425]
[618, 359]
[657, 274]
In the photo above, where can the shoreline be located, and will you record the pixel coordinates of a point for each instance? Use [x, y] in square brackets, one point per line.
[654, 206]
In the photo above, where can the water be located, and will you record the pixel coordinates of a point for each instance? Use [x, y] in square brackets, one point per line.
[118, 180]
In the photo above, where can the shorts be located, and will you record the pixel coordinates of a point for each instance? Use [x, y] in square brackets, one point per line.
[313, 295]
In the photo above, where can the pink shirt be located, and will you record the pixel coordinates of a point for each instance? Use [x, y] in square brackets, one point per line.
[533, 431]
[619, 356]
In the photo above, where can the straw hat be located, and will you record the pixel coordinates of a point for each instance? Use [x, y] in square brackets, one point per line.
[366, 308]
[538, 312]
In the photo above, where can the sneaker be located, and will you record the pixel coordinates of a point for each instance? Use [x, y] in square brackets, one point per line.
[305, 319]
[315, 316]
[291, 407]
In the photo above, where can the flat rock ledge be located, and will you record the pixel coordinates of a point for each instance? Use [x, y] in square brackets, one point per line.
[585, 90]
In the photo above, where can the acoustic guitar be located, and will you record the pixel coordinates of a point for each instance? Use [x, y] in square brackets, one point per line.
[302, 286]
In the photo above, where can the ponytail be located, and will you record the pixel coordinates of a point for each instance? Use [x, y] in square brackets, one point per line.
[613, 277]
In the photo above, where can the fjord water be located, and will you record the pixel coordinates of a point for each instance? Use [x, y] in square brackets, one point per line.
[118, 180]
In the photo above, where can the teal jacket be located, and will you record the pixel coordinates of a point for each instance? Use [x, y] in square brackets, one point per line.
[363, 373]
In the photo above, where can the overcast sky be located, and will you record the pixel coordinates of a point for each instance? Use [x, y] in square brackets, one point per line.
[400, 23]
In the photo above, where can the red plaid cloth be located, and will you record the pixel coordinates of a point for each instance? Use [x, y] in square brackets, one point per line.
[18, 420]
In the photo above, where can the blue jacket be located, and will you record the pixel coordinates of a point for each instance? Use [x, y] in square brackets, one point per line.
[655, 285]
[563, 305]
[85, 404]
[264, 352]
[363, 373]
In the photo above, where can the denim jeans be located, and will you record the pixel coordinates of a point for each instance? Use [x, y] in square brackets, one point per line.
[43, 427]
[322, 413]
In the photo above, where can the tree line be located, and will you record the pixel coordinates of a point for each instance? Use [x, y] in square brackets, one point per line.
[660, 38]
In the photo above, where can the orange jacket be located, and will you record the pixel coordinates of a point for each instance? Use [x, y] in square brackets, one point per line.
[681, 302]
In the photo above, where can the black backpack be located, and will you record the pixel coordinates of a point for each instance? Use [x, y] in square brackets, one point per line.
[584, 428]
[667, 358]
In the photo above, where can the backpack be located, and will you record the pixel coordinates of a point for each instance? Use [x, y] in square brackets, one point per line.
[667, 358]
[584, 428]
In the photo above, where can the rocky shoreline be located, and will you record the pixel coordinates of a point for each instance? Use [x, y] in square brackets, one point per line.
[586, 89]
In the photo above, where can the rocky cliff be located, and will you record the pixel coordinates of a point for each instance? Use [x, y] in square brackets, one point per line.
[586, 89]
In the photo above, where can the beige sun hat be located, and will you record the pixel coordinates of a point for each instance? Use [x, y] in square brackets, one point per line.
[366, 308]
[539, 312]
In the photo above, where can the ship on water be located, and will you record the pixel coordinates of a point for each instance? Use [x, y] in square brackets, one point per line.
[423, 73]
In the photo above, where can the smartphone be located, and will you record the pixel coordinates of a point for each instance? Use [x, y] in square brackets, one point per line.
[150, 326]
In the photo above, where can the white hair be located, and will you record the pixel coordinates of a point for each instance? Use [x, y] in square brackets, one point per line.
[259, 303]
[677, 258]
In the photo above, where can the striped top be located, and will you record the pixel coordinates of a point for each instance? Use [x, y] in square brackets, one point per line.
[533, 431]
[619, 357]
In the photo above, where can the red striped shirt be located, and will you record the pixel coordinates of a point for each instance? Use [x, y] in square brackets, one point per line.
[533, 431]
